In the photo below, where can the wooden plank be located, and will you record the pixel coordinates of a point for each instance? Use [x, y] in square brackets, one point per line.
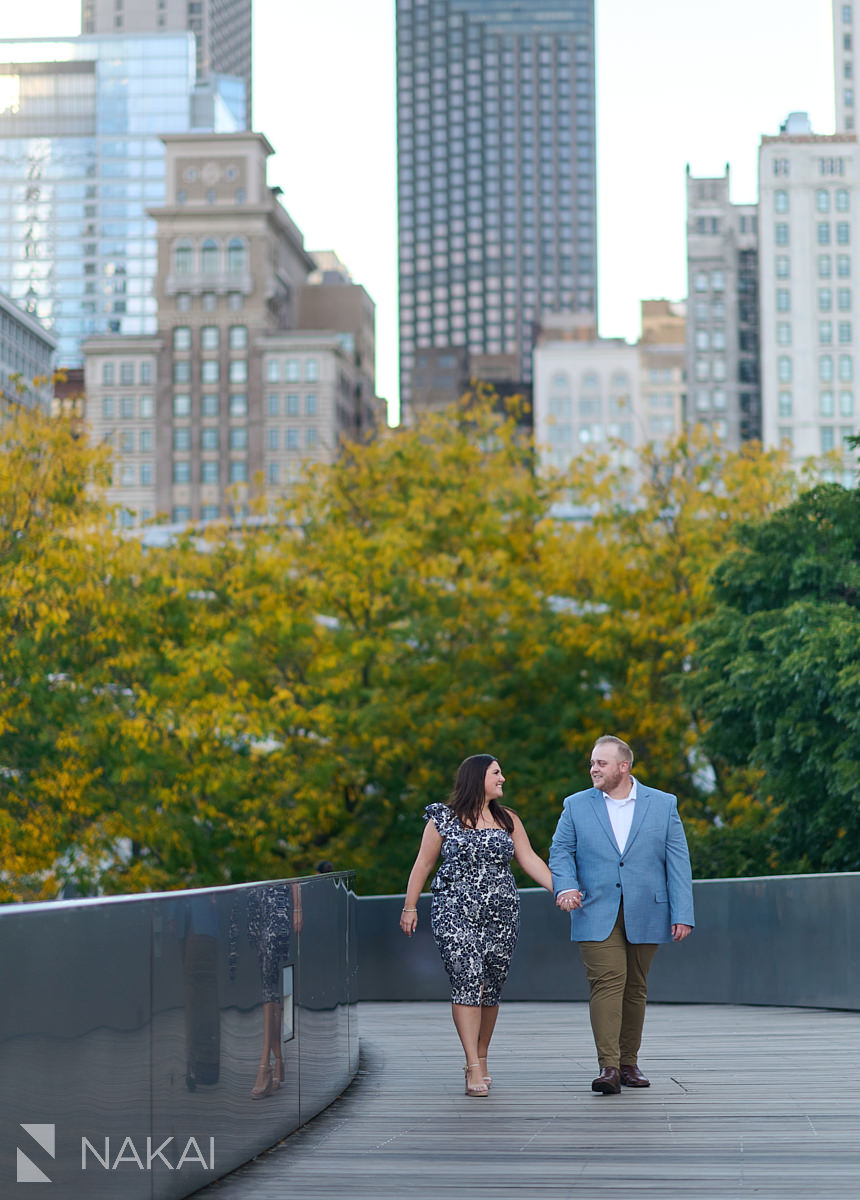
[744, 1102]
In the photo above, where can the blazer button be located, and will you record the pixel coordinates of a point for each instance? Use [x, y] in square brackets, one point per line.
[621, 864]
[618, 885]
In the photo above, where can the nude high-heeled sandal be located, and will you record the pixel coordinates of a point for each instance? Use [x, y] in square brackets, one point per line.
[481, 1091]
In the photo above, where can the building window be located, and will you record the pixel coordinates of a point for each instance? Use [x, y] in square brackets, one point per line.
[181, 513]
[311, 438]
[209, 337]
[700, 281]
[107, 372]
[292, 404]
[846, 404]
[273, 370]
[843, 200]
[825, 266]
[182, 406]
[312, 370]
[146, 441]
[846, 368]
[783, 365]
[786, 436]
[845, 333]
[783, 333]
[182, 371]
[209, 438]
[209, 301]
[209, 405]
[146, 372]
[210, 370]
[273, 473]
[108, 408]
[825, 299]
[825, 368]
[235, 256]
[825, 404]
[235, 301]
[183, 258]
[182, 337]
[239, 437]
[843, 266]
[822, 200]
[780, 166]
[843, 299]
[718, 281]
[127, 476]
[783, 300]
[126, 443]
[182, 438]
[238, 472]
[311, 404]
[293, 370]
[239, 405]
[209, 512]
[126, 408]
[843, 233]
[823, 233]
[182, 471]
[825, 332]
[828, 438]
[785, 404]
[238, 370]
[293, 440]
[273, 401]
[209, 257]
[239, 337]
[783, 269]
[780, 201]
[272, 439]
[781, 233]
[126, 373]
[145, 474]
[183, 302]
[209, 471]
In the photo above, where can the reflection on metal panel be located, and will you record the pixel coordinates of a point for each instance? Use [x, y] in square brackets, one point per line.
[780, 940]
[151, 1044]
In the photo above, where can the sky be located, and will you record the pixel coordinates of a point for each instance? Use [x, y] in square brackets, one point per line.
[678, 82]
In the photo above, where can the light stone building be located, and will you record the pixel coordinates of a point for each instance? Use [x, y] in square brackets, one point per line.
[723, 371]
[809, 197]
[843, 65]
[662, 357]
[26, 355]
[586, 394]
[232, 399]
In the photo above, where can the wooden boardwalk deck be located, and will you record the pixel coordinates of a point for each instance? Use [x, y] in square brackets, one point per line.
[744, 1102]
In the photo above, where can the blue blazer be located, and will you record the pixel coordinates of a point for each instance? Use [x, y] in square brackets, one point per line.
[653, 874]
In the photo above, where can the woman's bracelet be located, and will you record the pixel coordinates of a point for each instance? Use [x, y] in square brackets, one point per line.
[409, 910]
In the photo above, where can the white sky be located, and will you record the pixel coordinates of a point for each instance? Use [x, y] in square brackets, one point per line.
[678, 81]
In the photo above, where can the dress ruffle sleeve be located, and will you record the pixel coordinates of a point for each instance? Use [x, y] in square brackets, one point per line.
[440, 815]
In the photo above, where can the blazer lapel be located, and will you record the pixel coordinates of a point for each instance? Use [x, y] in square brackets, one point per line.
[643, 800]
[599, 806]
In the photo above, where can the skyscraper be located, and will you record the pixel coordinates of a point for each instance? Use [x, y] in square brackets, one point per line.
[496, 162]
[843, 65]
[723, 388]
[80, 163]
[222, 31]
[809, 187]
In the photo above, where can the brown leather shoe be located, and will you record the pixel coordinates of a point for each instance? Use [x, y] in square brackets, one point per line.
[608, 1082]
[632, 1077]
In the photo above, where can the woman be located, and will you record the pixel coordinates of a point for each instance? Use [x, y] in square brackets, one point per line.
[475, 910]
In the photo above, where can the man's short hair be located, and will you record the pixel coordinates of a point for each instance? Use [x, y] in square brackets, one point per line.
[625, 754]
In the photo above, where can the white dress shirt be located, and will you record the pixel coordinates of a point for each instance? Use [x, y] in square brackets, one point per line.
[620, 813]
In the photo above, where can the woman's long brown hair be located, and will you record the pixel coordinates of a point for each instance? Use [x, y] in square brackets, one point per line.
[467, 798]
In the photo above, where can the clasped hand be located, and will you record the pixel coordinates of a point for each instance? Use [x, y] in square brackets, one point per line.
[569, 900]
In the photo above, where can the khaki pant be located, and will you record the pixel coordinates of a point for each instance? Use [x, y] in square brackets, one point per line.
[617, 972]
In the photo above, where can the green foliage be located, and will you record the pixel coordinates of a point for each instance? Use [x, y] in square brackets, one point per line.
[242, 706]
[778, 674]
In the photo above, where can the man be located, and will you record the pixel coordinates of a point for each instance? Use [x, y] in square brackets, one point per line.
[621, 868]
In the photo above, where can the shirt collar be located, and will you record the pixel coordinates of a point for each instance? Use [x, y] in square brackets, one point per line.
[627, 799]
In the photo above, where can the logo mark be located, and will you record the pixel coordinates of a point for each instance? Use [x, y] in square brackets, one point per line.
[45, 1137]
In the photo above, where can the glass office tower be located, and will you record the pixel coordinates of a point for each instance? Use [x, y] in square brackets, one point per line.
[496, 166]
[81, 162]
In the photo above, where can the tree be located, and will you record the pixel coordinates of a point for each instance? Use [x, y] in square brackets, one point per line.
[778, 677]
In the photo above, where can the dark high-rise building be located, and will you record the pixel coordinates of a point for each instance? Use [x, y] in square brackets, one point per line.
[496, 158]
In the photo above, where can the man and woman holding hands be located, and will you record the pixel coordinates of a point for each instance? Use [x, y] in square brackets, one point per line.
[618, 864]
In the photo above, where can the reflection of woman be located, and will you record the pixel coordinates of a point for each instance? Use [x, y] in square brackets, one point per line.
[475, 909]
[273, 913]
